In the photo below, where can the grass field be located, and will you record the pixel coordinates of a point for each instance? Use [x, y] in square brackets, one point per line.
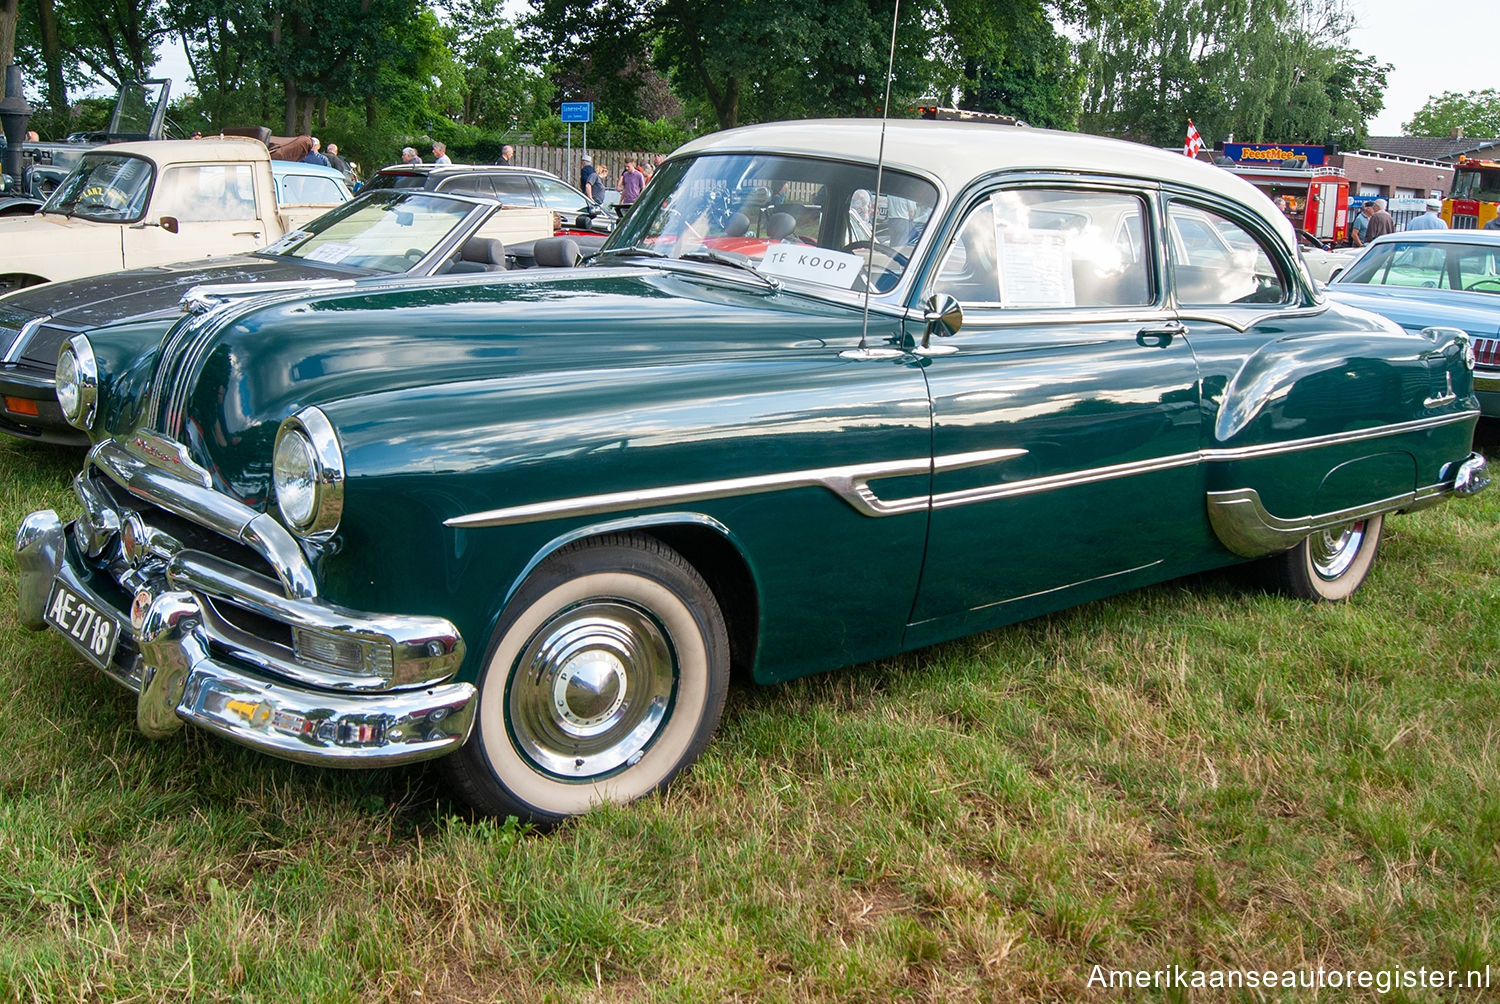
[1197, 774]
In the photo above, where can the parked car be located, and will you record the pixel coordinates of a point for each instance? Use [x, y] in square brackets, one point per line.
[379, 234]
[1431, 277]
[575, 212]
[531, 523]
[133, 204]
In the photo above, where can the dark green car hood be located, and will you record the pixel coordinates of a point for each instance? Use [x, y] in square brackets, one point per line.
[225, 380]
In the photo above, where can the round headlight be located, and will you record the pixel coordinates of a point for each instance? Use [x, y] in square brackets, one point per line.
[78, 382]
[307, 473]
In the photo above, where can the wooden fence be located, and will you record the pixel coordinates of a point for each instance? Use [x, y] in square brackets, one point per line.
[556, 159]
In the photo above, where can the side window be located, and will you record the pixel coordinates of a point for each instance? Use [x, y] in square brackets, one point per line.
[514, 190]
[1029, 248]
[469, 184]
[558, 196]
[210, 192]
[1216, 261]
[301, 188]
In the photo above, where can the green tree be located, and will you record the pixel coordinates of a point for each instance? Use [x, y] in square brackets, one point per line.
[1477, 113]
[1257, 69]
[495, 86]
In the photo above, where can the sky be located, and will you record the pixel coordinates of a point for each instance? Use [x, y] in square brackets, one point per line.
[1448, 51]
[1450, 48]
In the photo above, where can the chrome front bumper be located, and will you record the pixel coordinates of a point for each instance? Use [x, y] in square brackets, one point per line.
[169, 658]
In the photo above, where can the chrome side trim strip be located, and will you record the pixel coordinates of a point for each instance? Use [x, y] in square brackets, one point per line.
[850, 483]
[989, 493]
[1339, 438]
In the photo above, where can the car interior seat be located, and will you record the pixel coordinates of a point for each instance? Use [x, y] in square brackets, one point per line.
[481, 254]
[556, 252]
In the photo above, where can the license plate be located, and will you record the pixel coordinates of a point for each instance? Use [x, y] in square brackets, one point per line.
[92, 631]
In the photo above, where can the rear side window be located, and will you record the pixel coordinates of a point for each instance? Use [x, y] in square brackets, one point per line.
[469, 184]
[1035, 247]
[514, 190]
[1217, 262]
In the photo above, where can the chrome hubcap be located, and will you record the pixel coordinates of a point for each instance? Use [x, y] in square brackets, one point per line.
[591, 689]
[1332, 551]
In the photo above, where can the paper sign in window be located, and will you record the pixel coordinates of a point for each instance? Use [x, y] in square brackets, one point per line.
[802, 261]
[1036, 269]
[332, 252]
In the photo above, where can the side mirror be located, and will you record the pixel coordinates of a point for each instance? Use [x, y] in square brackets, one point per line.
[943, 317]
[170, 224]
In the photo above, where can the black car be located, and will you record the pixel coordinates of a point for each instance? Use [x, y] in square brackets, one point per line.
[511, 186]
[375, 236]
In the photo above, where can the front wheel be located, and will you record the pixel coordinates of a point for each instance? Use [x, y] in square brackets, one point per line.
[1331, 564]
[606, 678]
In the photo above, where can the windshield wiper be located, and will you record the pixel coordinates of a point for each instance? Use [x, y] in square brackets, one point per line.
[634, 250]
[737, 261]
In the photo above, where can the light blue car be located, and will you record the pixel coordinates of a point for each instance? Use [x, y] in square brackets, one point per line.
[1436, 277]
[299, 184]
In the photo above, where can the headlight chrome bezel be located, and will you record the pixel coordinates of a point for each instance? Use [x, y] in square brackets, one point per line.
[76, 381]
[324, 475]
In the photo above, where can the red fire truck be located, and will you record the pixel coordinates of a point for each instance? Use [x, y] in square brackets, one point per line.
[1316, 199]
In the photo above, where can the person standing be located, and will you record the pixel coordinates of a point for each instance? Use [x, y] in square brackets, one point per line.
[315, 156]
[586, 175]
[440, 153]
[507, 156]
[600, 184]
[409, 155]
[631, 183]
[1429, 220]
[1381, 222]
[1361, 224]
[336, 162]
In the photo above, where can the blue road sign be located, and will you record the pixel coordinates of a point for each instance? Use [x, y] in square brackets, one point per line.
[578, 111]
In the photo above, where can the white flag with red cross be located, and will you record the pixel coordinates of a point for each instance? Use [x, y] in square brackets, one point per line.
[1194, 141]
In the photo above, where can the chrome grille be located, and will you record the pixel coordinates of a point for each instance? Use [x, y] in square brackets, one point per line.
[189, 533]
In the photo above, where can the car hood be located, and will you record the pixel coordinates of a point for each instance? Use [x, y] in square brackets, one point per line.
[97, 300]
[48, 245]
[1415, 309]
[222, 382]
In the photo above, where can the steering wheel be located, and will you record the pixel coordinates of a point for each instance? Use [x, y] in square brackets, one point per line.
[884, 260]
[1493, 283]
[413, 255]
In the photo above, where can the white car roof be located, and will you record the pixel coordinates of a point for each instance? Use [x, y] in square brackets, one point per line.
[955, 153]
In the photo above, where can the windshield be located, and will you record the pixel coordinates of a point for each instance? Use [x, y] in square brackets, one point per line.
[1428, 265]
[108, 188]
[1477, 183]
[135, 109]
[385, 231]
[789, 217]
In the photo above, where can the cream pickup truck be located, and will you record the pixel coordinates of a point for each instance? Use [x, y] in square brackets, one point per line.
[135, 204]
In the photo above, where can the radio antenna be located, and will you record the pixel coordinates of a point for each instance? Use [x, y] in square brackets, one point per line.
[864, 351]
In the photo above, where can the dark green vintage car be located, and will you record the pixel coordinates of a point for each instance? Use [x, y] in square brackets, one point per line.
[807, 408]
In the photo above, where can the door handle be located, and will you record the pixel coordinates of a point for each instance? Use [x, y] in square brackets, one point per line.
[247, 233]
[1160, 336]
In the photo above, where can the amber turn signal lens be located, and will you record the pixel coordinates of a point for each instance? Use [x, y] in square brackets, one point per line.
[20, 406]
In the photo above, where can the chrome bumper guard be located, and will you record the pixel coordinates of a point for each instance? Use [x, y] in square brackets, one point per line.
[179, 675]
[1244, 526]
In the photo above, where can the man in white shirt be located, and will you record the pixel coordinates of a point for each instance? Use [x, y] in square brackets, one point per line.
[1429, 220]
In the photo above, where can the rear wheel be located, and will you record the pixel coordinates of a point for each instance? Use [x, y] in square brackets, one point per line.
[1331, 564]
[606, 678]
